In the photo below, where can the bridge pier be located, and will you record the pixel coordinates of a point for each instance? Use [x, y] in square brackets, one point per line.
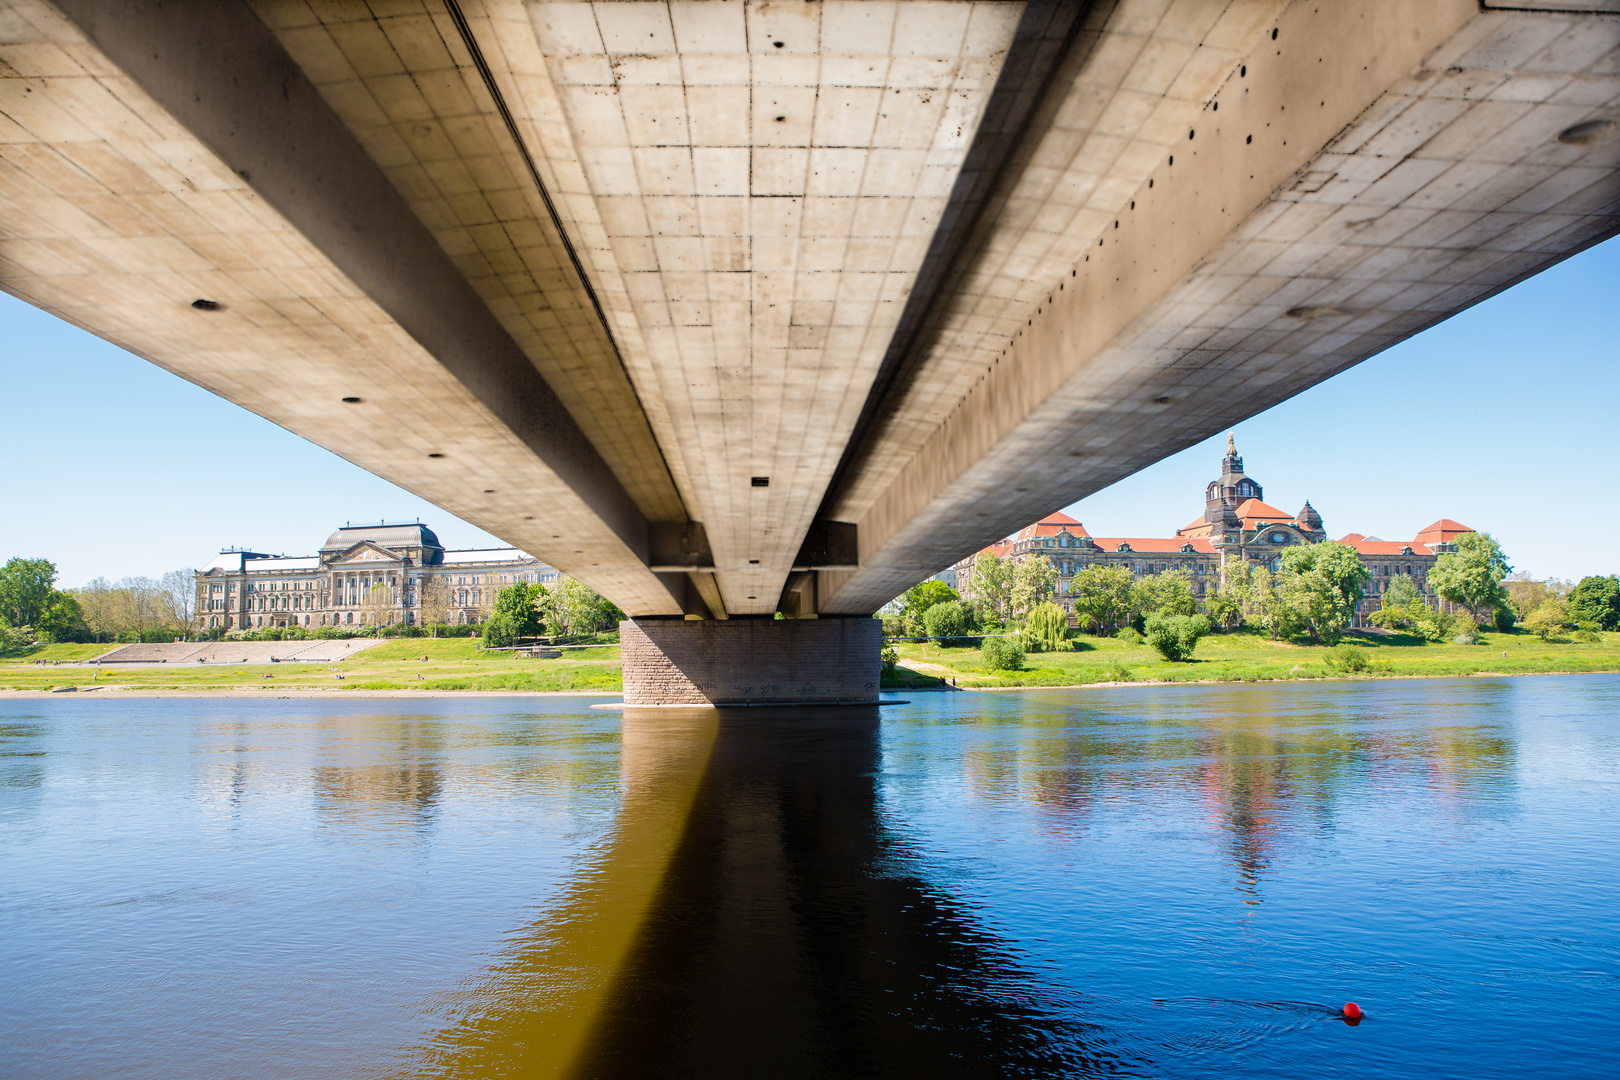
[751, 661]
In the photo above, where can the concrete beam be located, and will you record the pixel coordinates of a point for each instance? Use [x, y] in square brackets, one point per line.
[1363, 172]
[224, 85]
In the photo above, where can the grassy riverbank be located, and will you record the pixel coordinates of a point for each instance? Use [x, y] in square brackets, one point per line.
[1248, 657]
[459, 664]
[450, 664]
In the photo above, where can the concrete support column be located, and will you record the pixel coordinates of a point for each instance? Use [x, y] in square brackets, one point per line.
[751, 661]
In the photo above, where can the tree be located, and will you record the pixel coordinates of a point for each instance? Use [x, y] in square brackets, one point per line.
[61, 618]
[1596, 600]
[1175, 636]
[95, 602]
[1401, 592]
[945, 620]
[180, 592]
[138, 608]
[1261, 597]
[1223, 611]
[1047, 630]
[1472, 575]
[1102, 597]
[25, 590]
[1402, 606]
[991, 585]
[14, 642]
[377, 604]
[1551, 617]
[1169, 593]
[915, 601]
[516, 615]
[1034, 581]
[1323, 584]
[575, 608]
[486, 594]
[435, 599]
[1525, 593]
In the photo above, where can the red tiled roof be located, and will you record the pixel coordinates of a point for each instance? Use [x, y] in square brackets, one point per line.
[1364, 546]
[1051, 525]
[1157, 545]
[1255, 510]
[1443, 532]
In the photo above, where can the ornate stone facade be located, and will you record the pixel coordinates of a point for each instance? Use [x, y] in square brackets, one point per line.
[1236, 525]
[368, 574]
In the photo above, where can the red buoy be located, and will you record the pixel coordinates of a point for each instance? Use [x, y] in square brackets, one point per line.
[1352, 1011]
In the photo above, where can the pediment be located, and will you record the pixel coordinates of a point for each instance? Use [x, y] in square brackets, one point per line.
[367, 552]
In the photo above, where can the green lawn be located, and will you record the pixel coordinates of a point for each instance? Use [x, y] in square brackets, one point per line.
[1246, 657]
[459, 664]
[451, 664]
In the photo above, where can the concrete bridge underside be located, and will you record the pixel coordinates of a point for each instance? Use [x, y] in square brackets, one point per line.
[730, 307]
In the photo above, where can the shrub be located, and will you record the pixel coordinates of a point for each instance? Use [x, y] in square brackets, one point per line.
[945, 620]
[1587, 637]
[14, 640]
[1114, 671]
[891, 660]
[1002, 654]
[1465, 631]
[502, 630]
[1350, 659]
[1128, 636]
[1502, 618]
[1175, 636]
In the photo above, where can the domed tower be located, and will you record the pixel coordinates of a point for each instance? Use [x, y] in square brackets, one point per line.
[1223, 496]
[1310, 522]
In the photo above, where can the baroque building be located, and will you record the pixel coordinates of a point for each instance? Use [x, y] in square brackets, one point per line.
[1236, 525]
[363, 575]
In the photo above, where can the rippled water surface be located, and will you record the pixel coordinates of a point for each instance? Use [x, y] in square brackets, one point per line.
[1176, 881]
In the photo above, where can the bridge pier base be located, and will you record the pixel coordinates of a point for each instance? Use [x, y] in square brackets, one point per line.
[754, 661]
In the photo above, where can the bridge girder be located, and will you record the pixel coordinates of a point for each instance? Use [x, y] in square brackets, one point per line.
[731, 307]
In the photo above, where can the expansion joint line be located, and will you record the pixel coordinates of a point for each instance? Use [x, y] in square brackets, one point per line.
[1001, 149]
[465, 30]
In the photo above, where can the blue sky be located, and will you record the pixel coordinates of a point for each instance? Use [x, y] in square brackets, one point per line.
[1503, 418]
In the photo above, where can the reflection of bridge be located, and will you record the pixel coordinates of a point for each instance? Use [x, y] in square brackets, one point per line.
[736, 308]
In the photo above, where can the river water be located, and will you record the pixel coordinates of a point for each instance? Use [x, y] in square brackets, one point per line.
[1169, 881]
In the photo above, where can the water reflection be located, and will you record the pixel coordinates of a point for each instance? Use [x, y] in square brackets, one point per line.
[1161, 882]
[407, 776]
[22, 752]
[753, 915]
[1261, 769]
